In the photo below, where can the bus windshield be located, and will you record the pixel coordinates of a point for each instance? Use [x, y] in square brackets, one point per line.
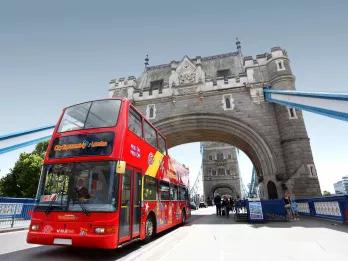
[95, 114]
[78, 186]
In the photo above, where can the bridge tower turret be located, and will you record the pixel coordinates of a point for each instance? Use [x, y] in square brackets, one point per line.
[301, 177]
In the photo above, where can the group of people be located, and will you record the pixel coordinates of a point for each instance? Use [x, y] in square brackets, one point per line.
[225, 205]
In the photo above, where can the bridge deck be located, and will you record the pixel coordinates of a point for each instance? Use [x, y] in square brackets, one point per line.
[207, 237]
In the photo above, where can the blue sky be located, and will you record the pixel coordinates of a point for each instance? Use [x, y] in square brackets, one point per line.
[53, 54]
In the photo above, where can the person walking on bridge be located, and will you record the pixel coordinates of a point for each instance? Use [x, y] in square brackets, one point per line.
[217, 202]
[226, 206]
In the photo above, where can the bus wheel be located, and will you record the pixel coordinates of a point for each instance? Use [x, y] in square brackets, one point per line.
[149, 229]
[183, 216]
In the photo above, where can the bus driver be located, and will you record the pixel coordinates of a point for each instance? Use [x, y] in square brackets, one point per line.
[82, 191]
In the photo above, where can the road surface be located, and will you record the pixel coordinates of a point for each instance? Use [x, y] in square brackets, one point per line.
[206, 237]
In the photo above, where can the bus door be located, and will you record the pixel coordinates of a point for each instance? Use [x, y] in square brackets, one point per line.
[130, 204]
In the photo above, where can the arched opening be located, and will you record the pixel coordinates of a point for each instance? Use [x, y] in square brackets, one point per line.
[272, 190]
[190, 128]
[223, 190]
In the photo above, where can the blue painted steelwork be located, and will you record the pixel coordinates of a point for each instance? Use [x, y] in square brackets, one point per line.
[23, 144]
[22, 133]
[309, 107]
[273, 210]
[253, 184]
[17, 208]
[325, 207]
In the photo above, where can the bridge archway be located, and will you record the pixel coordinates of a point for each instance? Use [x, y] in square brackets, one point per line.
[222, 189]
[198, 127]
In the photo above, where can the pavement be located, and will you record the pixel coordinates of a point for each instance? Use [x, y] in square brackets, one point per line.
[206, 237]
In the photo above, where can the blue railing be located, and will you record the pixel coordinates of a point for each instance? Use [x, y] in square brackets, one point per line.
[330, 207]
[15, 212]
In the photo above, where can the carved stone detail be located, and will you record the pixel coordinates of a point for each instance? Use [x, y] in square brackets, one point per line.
[186, 73]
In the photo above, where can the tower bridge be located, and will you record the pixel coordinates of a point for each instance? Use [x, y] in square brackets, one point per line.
[227, 98]
[221, 98]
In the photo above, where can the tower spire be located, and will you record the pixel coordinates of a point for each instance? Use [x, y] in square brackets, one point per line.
[147, 61]
[239, 47]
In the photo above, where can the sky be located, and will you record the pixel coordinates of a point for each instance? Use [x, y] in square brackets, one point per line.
[57, 53]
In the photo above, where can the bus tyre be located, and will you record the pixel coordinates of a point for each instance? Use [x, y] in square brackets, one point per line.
[149, 229]
[183, 216]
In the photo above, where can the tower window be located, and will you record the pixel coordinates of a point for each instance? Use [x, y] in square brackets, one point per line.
[280, 65]
[156, 85]
[209, 172]
[221, 171]
[311, 169]
[210, 157]
[227, 102]
[151, 111]
[292, 113]
[220, 156]
[214, 172]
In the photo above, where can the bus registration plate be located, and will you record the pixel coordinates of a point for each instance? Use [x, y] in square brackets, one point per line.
[62, 241]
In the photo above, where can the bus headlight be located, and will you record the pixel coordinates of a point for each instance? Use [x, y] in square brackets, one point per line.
[99, 230]
[35, 227]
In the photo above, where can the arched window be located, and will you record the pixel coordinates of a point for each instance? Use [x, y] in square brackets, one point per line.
[280, 65]
[221, 171]
[151, 112]
[228, 103]
[272, 190]
[220, 156]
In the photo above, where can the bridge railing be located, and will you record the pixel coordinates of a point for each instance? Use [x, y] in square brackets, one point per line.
[330, 207]
[15, 212]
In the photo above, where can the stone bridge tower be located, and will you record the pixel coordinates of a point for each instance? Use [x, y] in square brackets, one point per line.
[220, 98]
[220, 170]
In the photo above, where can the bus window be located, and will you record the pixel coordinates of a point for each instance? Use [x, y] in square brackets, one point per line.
[182, 193]
[161, 144]
[164, 191]
[173, 192]
[134, 122]
[150, 188]
[150, 134]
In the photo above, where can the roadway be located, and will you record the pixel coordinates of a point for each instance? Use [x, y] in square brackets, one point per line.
[206, 237]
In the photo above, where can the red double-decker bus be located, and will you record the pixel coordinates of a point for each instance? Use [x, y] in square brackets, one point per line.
[107, 180]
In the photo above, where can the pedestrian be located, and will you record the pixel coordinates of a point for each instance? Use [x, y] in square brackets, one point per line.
[231, 204]
[294, 208]
[226, 206]
[237, 204]
[217, 202]
[287, 206]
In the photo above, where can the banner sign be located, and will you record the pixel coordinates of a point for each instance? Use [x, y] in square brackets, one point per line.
[99, 144]
[255, 210]
[7, 209]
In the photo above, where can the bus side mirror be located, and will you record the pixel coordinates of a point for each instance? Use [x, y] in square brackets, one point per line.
[121, 167]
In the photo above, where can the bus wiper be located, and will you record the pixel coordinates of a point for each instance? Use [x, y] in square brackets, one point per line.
[82, 206]
[50, 206]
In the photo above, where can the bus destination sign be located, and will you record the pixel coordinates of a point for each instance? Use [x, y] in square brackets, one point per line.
[82, 145]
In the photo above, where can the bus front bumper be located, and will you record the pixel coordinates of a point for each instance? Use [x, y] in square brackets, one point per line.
[107, 241]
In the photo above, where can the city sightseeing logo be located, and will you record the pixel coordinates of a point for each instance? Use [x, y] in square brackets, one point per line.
[82, 145]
